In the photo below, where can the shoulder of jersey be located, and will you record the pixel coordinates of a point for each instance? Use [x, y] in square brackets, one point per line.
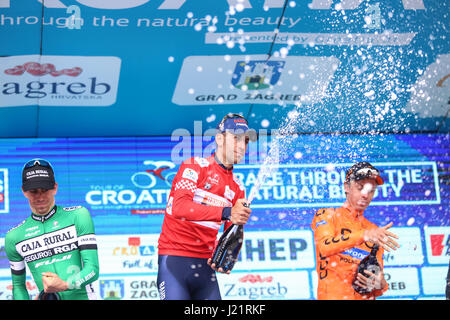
[74, 208]
[202, 162]
[324, 213]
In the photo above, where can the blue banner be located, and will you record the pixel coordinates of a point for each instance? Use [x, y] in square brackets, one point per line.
[81, 68]
[125, 182]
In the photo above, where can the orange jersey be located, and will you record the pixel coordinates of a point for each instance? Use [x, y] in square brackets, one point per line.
[340, 247]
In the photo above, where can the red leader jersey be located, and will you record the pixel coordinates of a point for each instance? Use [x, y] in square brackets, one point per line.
[200, 190]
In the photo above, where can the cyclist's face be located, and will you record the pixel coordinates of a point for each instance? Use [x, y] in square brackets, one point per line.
[41, 200]
[360, 193]
[233, 147]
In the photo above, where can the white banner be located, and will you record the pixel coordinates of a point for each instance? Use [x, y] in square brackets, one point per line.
[206, 80]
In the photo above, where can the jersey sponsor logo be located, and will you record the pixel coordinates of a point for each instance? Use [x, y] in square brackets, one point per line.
[229, 194]
[32, 234]
[88, 241]
[214, 179]
[344, 237]
[49, 244]
[356, 253]
[52, 261]
[209, 224]
[319, 223]
[190, 174]
[210, 199]
[72, 208]
[17, 267]
[31, 228]
[46, 217]
[320, 212]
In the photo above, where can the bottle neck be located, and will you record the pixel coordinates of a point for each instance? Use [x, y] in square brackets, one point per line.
[374, 250]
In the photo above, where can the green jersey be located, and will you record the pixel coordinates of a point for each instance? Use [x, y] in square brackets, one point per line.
[63, 242]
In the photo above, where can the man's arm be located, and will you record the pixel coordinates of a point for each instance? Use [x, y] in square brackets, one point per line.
[330, 241]
[87, 244]
[185, 184]
[19, 291]
[18, 272]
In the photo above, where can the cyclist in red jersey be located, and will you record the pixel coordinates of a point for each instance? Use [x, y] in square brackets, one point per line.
[205, 194]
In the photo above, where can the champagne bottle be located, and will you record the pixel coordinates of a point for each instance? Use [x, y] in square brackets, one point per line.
[369, 263]
[228, 247]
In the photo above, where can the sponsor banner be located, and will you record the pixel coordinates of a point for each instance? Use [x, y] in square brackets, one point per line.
[122, 254]
[410, 251]
[402, 281]
[4, 191]
[280, 250]
[247, 79]
[429, 95]
[140, 192]
[124, 287]
[434, 280]
[260, 251]
[437, 241]
[311, 39]
[321, 185]
[58, 80]
[4, 262]
[264, 285]
[6, 289]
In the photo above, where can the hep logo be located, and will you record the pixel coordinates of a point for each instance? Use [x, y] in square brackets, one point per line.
[438, 244]
[38, 70]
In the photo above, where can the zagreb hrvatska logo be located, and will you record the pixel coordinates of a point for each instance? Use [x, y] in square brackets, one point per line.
[37, 69]
[256, 75]
[58, 80]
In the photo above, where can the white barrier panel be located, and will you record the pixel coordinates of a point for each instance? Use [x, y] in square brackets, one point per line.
[264, 285]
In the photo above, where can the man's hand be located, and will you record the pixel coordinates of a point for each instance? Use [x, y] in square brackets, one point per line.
[213, 266]
[382, 237]
[372, 281]
[240, 213]
[53, 283]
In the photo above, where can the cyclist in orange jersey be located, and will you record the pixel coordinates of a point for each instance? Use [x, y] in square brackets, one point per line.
[343, 237]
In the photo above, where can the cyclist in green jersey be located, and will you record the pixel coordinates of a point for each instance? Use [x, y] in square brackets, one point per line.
[57, 244]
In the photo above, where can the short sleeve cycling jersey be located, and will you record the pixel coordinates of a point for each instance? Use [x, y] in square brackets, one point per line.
[63, 242]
